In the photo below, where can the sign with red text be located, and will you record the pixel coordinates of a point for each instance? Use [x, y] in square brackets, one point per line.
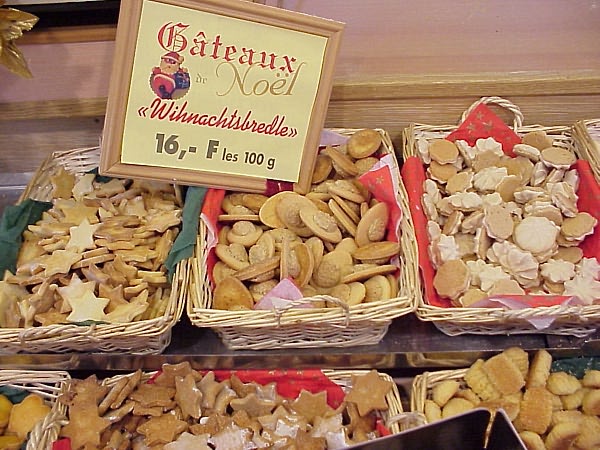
[220, 93]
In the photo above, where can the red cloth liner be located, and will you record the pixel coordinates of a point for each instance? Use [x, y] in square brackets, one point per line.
[589, 199]
[62, 444]
[482, 123]
[413, 174]
[289, 382]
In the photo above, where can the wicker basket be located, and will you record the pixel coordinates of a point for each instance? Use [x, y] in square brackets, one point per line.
[48, 385]
[587, 136]
[363, 324]
[395, 419]
[424, 382]
[142, 337]
[577, 321]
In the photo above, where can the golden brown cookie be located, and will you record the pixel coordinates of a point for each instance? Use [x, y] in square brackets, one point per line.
[321, 224]
[232, 294]
[322, 169]
[452, 278]
[342, 164]
[372, 225]
[363, 143]
[538, 139]
[443, 151]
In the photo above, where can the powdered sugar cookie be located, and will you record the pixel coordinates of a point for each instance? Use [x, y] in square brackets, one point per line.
[535, 234]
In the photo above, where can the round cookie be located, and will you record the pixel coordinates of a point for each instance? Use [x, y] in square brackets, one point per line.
[322, 224]
[363, 143]
[322, 168]
[373, 224]
[535, 234]
[342, 164]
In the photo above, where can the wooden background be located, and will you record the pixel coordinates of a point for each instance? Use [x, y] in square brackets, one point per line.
[400, 62]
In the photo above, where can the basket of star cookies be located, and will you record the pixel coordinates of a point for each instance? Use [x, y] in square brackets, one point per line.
[505, 219]
[550, 405]
[30, 415]
[587, 143]
[179, 407]
[331, 267]
[93, 265]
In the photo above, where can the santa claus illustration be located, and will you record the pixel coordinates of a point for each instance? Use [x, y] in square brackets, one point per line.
[170, 80]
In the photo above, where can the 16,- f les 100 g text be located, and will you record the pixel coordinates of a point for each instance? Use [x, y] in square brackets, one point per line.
[170, 145]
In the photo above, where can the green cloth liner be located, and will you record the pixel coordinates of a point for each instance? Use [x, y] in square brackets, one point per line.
[183, 247]
[575, 366]
[12, 224]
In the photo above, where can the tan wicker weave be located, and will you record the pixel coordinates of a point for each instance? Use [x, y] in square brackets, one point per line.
[47, 384]
[343, 326]
[142, 337]
[585, 146]
[569, 320]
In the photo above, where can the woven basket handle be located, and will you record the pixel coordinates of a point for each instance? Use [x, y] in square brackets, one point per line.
[514, 109]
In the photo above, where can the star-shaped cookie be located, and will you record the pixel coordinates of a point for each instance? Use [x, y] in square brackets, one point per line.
[59, 262]
[87, 307]
[82, 236]
[368, 392]
[162, 429]
[312, 405]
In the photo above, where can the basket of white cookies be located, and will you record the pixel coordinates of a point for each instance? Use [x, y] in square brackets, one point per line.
[505, 219]
[86, 261]
[551, 407]
[331, 267]
[30, 415]
[179, 407]
[587, 143]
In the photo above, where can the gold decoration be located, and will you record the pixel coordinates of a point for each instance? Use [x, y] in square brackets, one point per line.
[12, 24]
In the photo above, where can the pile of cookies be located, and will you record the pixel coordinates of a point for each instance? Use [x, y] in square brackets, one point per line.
[500, 225]
[550, 410]
[331, 241]
[18, 419]
[96, 255]
[184, 409]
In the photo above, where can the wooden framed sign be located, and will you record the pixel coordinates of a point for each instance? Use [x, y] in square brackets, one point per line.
[219, 93]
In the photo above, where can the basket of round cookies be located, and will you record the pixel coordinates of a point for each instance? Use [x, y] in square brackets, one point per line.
[325, 268]
[552, 406]
[587, 143]
[90, 269]
[30, 416]
[179, 407]
[505, 220]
